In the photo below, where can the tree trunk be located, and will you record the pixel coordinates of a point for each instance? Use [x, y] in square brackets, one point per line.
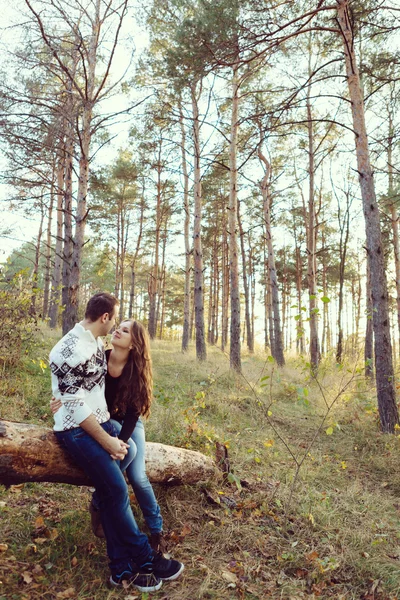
[134, 259]
[249, 339]
[369, 331]
[68, 169]
[235, 357]
[358, 302]
[58, 259]
[161, 296]
[216, 298]
[315, 355]
[188, 249]
[324, 342]
[225, 285]
[68, 234]
[344, 227]
[35, 272]
[47, 274]
[385, 380]
[269, 316]
[201, 351]
[300, 345]
[153, 284]
[267, 341]
[394, 217]
[277, 347]
[31, 453]
[253, 292]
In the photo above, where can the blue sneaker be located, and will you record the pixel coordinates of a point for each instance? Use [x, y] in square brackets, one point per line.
[162, 568]
[143, 580]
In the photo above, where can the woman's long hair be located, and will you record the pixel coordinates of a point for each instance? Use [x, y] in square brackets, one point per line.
[136, 385]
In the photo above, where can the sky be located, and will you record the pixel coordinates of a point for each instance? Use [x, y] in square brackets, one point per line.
[20, 227]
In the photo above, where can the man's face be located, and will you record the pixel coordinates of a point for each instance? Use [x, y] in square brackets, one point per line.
[110, 322]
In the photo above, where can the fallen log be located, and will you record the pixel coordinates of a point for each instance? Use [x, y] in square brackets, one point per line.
[32, 453]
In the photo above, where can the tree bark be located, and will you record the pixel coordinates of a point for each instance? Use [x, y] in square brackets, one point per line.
[235, 356]
[394, 216]
[58, 259]
[153, 286]
[47, 272]
[201, 350]
[385, 380]
[277, 346]
[188, 249]
[249, 338]
[315, 355]
[369, 330]
[225, 284]
[35, 272]
[344, 228]
[83, 177]
[31, 453]
[134, 259]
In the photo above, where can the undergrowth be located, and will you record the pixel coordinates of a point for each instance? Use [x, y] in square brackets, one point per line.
[334, 535]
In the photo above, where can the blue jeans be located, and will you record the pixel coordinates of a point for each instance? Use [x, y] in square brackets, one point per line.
[134, 465]
[125, 542]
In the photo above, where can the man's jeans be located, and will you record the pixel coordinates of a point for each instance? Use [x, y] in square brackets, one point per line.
[134, 465]
[125, 542]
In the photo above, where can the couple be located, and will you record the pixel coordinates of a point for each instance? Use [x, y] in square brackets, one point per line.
[83, 427]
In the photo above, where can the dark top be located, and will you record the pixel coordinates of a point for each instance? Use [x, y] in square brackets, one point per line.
[128, 418]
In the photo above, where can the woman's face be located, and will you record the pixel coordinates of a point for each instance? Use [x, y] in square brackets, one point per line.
[121, 337]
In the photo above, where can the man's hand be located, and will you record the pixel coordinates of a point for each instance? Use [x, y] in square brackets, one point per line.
[113, 445]
[55, 405]
[118, 449]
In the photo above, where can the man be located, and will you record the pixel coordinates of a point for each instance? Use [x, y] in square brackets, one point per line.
[82, 426]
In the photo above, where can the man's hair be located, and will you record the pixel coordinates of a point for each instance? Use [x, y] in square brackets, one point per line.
[99, 304]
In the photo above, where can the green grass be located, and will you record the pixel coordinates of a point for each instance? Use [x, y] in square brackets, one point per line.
[336, 535]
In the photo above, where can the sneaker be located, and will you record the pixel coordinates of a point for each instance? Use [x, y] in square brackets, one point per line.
[144, 582]
[95, 519]
[158, 543]
[164, 569]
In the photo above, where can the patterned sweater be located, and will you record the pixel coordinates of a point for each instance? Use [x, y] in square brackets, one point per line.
[78, 367]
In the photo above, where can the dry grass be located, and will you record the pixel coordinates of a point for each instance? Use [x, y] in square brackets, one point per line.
[339, 539]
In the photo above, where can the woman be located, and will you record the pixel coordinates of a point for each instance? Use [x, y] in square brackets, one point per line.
[129, 392]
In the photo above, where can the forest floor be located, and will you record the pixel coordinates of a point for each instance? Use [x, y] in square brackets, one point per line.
[329, 529]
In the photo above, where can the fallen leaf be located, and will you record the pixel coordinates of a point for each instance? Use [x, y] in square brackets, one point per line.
[68, 593]
[3, 547]
[52, 534]
[312, 556]
[39, 522]
[269, 443]
[27, 577]
[37, 569]
[229, 577]
[185, 530]
[212, 499]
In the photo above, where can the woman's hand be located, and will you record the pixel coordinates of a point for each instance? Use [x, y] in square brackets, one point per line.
[117, 448]
[55, 405]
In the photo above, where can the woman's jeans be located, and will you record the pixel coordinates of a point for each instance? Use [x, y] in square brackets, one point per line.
[134, 465]
[125, 542]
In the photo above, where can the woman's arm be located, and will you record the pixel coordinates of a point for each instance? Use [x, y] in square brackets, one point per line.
[129, 424]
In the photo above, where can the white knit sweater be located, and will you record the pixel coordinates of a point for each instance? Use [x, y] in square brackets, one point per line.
[78, 367]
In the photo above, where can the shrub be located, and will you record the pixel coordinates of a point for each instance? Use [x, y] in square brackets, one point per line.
[18, 328]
